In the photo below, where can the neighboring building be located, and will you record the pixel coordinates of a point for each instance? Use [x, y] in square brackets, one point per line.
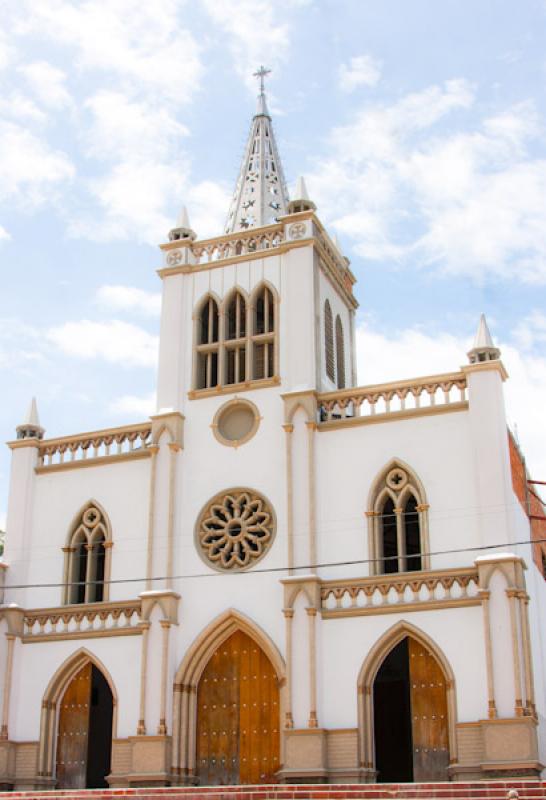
[280, 576]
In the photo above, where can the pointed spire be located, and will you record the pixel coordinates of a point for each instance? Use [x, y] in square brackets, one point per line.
[301, 201]
[484, 348]
[31, 428]
[182, 229]
[260, 194]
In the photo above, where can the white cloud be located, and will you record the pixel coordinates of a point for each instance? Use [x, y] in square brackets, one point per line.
[4, 235]
[48, 83]
[256, 34]
[135, 406]
[147, 46]
[360, 71]
[129, 298]
[467, 202]
[30, 171]
[115, 342]
[413, 352]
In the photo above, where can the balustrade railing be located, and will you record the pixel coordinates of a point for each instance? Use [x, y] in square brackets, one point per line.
[241, 243]
[388, 398]
[400, 592]
[82, 621]
[125, 441]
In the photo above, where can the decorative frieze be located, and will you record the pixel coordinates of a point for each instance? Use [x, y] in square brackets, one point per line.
[82, 621]
[87, 449]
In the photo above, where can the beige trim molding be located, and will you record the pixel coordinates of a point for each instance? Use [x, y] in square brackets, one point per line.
[215, 424]
[100, 461]
[233, 388]
[393, 416]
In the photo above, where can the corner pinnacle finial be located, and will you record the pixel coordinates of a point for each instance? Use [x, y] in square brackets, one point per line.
[484, 348]
[262, 105]
[31, 428]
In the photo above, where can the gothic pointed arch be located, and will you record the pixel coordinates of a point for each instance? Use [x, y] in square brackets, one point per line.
[365, 685]
[87, 563]
[340, 353]
[55, 690]
[235, 322]
[329, 356]
[191, 669]
[397, 513]
[207, 342]
[263, 331]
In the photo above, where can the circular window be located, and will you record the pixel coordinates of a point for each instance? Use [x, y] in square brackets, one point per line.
[235, 529]
[236, 422]
[396, 479]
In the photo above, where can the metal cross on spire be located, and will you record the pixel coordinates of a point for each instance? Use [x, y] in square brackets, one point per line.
[261, 73]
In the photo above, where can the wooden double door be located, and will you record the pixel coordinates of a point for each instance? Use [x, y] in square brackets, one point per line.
[84, 739]
[238, 716]
[410, 716]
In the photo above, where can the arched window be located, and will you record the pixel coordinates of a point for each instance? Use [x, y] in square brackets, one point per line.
[398, 522]
[340, 354]
[207, 345]
[237, 344]
[87, 557]
[263, 334]
[235, 340]
[329, 341]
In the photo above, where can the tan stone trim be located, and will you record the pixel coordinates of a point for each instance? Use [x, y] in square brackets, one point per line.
[486, 366]
[141, 727]
[138, 427]
[311, 427]
[311, 616]
[7, 685]
[289, 446]
[398, 608]
[380, 388]
[233, 388]
[165, 631]
[61, 637]
[288, 616]
[236, 401]
[151, 520]
[518, 705]
[491, 704]
[133, 455]
[528, 660]
[393, 416]
[185, 269]
[17, 444]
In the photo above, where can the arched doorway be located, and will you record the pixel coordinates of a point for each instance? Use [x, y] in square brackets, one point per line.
[410, 715]
[84, 738]
[238, 715]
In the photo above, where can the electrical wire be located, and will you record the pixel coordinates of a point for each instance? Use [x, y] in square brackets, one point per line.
[269, 570]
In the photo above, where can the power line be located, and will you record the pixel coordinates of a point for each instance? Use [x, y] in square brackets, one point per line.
[269, 570]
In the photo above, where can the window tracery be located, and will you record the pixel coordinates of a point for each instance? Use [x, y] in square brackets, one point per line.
[87, 558]
[329, 341]
[235, 529]
[235, 341]
[398, 522]
[340, 354]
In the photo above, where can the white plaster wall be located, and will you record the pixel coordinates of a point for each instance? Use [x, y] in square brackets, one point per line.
[346, 642]
[437, 448]
[121, 489]
[37, 663]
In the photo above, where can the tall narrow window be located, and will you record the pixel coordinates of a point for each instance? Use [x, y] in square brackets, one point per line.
[87, 557]
[235, 340]
[207, 348]
[329, 341]
[263, 335]
[340, 354]
[398, 522]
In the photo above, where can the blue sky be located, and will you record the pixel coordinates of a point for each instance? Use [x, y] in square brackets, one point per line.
[420, 128]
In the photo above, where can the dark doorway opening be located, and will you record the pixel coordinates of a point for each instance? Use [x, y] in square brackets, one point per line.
[392, 718]
[100, 731]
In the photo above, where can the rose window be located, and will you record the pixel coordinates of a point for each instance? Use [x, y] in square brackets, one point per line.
[235, 529]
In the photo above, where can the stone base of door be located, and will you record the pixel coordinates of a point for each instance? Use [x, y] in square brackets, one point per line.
[140, 761]
[304, 756]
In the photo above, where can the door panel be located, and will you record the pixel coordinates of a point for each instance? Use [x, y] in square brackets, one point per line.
[72, 741]
[428, 694]
[238, 715]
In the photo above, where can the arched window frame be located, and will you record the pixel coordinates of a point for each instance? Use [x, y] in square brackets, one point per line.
[329, 355]
[90, 542]
[248, 344]
[340, 353]
[383, 489]
[207, 348]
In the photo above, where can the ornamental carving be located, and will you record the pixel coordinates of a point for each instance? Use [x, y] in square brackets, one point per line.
[174, 258]
[297, 230]
[235, 529]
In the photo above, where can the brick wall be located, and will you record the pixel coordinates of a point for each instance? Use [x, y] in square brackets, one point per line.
[530, 502]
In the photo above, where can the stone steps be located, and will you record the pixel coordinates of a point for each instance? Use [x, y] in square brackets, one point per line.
[483, 790]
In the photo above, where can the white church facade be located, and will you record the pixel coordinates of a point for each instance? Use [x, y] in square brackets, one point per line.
[280, 576]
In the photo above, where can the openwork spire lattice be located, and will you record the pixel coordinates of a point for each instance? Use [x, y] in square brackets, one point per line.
[260, 194]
